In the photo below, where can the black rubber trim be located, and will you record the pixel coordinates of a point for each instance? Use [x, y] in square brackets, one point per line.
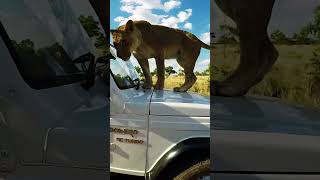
[201, 144]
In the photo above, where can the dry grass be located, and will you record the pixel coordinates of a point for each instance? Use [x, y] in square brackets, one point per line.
[202, 85]
[288, 79]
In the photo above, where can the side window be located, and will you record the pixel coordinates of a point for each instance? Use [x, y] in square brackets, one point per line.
[43, 38]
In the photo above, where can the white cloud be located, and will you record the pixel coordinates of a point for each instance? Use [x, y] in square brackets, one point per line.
[170, 22]
[127, 8]
[184, 15]
[171, 5]
[205, 37]
[188, 26]
[120, 19]
[173, 21]
[143, 10]
[146, 4]
[204, 62]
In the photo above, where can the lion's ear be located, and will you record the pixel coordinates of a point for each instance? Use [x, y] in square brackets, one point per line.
[129, 26]
[113, 31]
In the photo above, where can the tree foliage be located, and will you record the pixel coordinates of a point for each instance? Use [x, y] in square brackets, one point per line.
[180, 72]
[139, 71]
[169, 70]
[90, 25]
[94, 31]
[279, 37]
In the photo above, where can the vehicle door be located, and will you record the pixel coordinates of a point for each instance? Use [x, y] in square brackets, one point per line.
[129, 111]
[52, 118]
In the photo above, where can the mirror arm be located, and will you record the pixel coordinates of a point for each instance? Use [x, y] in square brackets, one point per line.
[89, 76]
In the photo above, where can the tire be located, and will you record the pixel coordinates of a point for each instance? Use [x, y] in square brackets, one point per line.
[195, 171]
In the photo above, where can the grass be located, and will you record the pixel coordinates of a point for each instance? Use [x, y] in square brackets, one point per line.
[290, 77]
[202, 85]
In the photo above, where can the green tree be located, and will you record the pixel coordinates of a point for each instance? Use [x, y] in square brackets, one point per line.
[313, 71]
[206, 72]
[154, 72]
[139, 71]
[279, 37]
[92, 28]
[101, 42]
[304, 36]
[310, 33]
[197, 73]
[169, 70]
[180, 72]
[90, 25]
[316, 23]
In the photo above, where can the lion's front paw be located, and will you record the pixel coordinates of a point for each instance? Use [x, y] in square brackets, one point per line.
[147, 86]
[176, 89]
[159, 86]
[179, 89]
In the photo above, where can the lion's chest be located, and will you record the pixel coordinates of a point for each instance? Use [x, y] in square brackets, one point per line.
[147, 52]
[144, 52]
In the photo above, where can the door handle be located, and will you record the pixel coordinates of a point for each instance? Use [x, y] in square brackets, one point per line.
[5, 97]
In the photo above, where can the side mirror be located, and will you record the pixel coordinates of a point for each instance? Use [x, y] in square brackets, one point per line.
[89, 76]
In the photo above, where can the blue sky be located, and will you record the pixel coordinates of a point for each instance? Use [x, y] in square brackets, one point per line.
[190, 15]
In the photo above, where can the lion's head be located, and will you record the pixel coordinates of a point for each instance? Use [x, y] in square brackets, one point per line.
[125, 40]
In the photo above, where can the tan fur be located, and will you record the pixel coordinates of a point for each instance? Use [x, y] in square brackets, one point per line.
[146, 41]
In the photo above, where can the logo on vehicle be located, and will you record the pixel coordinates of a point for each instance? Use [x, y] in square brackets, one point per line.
[132, 132]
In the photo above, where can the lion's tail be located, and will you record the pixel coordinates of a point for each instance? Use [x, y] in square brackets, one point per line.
[195, 38]
[203, 45]
[206, 46]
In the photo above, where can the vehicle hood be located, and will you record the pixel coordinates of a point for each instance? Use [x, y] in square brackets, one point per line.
[263, 114]
[170, 103]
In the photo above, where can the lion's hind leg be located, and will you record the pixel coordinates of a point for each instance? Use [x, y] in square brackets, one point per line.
[187, 61]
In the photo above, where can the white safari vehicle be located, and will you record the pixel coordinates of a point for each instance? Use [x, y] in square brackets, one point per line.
[159, 134]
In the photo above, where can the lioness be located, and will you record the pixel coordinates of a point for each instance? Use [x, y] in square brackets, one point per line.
[145, 41]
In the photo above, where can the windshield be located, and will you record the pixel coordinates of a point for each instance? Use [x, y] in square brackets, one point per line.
[123, 73]
[44, 37]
